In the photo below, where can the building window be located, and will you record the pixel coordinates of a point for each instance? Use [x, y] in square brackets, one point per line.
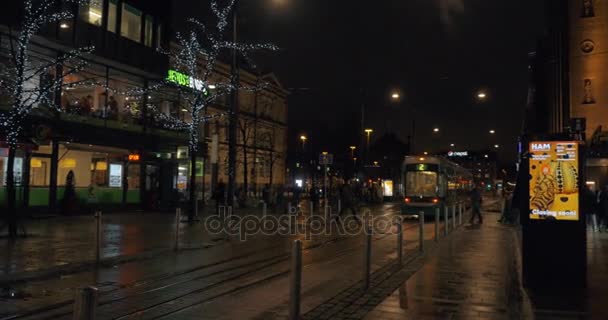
[92, 13]
[149, 31]
[159, 35]
[112, 14]
[131, 23]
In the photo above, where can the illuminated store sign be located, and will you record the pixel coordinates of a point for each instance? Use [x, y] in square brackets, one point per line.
[185, 80]
[458, 154]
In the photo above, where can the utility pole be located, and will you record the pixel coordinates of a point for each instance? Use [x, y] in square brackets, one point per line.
[234, 109]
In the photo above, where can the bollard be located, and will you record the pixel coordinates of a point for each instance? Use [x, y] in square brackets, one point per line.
[437, 217]
[461, 209]
[400, 243]
[421, 231]
[289, 212]
[85, 304]
[178, 213]
[368, 258]
[98, 217]
[295, 280]
[339, 206]
[312, 208]
[445, 220]
[454, 217]
[264, 209]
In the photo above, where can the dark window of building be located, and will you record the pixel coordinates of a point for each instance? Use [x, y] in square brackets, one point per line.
[149, 31]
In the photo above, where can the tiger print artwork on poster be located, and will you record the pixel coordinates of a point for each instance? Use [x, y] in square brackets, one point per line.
[554, 180]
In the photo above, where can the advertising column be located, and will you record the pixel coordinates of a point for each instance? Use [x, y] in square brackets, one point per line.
[553, 231]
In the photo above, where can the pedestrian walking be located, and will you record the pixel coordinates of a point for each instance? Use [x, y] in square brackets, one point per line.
[588, 207]
[476, 205]
[219, 195]
[602, 214]
[347, 197]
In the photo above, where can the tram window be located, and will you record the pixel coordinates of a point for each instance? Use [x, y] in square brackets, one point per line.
[421, 183]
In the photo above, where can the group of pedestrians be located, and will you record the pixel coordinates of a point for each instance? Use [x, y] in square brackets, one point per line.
[595, 206]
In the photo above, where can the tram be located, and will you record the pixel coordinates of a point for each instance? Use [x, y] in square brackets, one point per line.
[433, 182]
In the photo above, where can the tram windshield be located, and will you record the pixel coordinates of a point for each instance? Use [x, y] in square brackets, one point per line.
[421, 183]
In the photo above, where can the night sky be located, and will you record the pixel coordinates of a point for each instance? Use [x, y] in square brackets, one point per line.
[337, 55]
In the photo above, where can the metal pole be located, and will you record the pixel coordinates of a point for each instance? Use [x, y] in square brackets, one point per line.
[98, 236]
[400, 243]
[289, 208]
[339, 206]
[368, 257]
[85, 304]
[461, 213]
[437, 217]
[445, 221]
[178, 213]
[312, 208]
[421, 231]
[264, 209]
[295, 280]
[454, 217]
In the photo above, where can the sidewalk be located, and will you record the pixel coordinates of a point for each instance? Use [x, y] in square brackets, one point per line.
[477, 275]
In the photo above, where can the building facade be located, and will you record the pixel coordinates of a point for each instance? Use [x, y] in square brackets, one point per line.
[111, 135]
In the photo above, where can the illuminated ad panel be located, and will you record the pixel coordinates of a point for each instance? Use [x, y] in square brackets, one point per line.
[554, 181]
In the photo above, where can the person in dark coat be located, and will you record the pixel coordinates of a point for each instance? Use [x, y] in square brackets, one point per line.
[219, 195]
[347, 196]
[588, 207]
[602, 213]
[476, 205]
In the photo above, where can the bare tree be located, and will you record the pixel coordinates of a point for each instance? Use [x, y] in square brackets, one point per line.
[196, 57]
[20, 81]
[246, 128]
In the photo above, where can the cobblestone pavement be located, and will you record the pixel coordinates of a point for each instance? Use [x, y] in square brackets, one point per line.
[476, 275]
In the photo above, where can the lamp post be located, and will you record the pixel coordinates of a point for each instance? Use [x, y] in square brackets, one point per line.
[303, 138]
[368, 132]
[352, 151]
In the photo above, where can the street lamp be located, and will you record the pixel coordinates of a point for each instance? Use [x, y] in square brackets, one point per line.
[395, 96]
[496, 146]
[436, 130]
[303, 138]
[492, 131]
[352, 151]
[368, 132]
[481, 95]
[452, 145]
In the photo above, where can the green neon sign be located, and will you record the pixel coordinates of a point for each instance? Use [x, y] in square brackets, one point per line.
[185, 80]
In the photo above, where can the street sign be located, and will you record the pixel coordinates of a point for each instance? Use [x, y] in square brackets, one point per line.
[326, 159]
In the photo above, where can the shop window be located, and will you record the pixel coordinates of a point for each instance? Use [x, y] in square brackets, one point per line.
[131, 23]
[39, 172]
[112, 15]
[99, 172]
[133, 176]
[93, 13]
[115, 175]
[149, 30]
[17, 170]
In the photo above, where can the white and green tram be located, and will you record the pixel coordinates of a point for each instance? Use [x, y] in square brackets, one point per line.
[433, 182]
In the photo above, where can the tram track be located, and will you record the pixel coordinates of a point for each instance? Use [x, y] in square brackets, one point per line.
[225, 274]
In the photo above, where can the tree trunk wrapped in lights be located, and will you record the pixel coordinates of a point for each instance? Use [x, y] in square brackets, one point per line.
[195, 59]
[20, 82]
